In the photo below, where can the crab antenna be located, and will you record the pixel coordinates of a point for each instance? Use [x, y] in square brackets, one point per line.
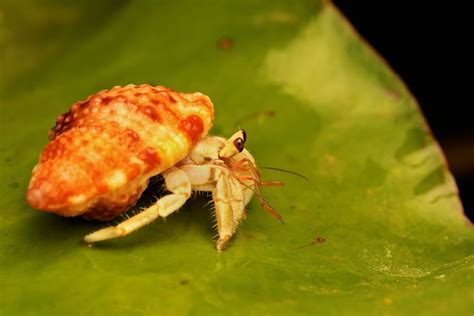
[286, 171]
[265, 205]
[269, 183]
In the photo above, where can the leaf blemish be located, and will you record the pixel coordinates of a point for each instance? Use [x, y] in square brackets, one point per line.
[393, 94]
[316, 241]
[225, 43]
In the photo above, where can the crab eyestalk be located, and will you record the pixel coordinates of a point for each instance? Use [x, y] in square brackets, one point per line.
[234, 145]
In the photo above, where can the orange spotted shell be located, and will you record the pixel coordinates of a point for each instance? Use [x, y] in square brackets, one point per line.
[103, 152]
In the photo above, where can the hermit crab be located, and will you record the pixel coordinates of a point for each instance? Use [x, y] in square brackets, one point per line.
[104, 150]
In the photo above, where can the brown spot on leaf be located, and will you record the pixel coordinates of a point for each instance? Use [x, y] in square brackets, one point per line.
[393, 94]
[319, 240]
[316, 241]
[225, 43]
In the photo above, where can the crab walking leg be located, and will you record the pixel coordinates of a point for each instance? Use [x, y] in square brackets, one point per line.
[227, 192]
[236, 199]
[248, 193]
[205, 178]
[177, 183]
[224, 213]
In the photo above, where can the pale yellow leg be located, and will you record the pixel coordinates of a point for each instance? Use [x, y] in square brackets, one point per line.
[227, 194]
[224, 212]
[177, 183]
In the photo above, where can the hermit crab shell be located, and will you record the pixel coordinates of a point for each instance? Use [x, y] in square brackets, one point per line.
[103, 152]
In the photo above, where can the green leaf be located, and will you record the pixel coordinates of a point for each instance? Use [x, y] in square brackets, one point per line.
[377, 229]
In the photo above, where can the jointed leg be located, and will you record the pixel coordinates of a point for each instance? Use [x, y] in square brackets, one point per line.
[227, 195]
[177, 183]
[224, 212]
[236, 198]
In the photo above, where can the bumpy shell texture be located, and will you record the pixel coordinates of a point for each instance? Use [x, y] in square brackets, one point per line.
[103, 151]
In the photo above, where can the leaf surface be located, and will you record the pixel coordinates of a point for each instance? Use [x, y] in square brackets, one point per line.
[377, 229]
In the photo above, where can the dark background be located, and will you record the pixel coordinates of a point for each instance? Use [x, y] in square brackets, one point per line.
[429, 45]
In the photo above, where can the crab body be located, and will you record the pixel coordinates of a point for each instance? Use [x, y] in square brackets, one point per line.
[103, 152]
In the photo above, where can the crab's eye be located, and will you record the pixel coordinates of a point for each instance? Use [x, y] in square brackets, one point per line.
[239, 144]
[244, 134]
